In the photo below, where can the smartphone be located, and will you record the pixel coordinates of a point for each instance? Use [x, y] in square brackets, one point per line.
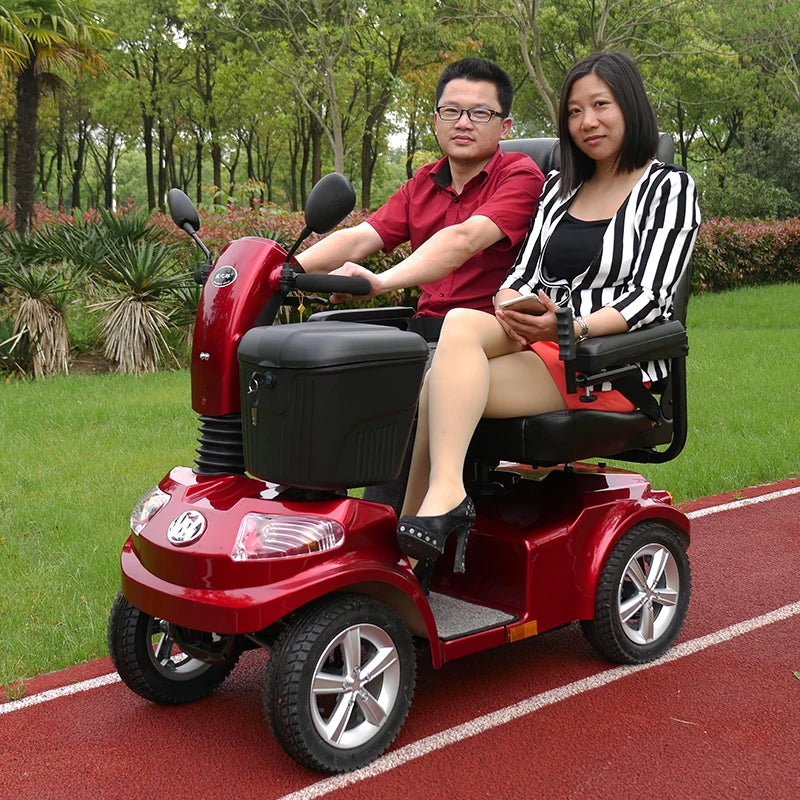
[525, 304]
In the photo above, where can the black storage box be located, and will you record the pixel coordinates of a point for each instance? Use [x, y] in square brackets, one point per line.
[328, 406]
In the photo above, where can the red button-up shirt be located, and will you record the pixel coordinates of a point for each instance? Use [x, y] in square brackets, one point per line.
[506, 190]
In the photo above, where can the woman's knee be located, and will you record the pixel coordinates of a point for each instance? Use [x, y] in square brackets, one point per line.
[467, 324]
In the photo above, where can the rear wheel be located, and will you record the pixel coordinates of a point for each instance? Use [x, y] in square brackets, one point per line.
[642, 595]
[339, 682]
[149, 658]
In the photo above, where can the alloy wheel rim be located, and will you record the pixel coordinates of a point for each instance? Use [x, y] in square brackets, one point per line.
[648, 593]
[354, 686]
[167, 657]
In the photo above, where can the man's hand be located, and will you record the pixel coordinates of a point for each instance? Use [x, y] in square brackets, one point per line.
[353, 270]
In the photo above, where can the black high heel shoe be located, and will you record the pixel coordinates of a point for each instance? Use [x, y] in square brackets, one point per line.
[424, 537]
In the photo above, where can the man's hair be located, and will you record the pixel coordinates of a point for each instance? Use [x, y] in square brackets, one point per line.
[641, 129]
[479, 69]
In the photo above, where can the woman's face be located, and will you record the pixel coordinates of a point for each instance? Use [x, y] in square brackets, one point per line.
[596, 123]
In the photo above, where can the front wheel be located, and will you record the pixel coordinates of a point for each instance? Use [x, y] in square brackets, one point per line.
[148, 657]
[339, 682]
[642, 595]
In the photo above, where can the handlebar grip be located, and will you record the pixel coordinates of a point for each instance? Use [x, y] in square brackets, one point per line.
[344, 284]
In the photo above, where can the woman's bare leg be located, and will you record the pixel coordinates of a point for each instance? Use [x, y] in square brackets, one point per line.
[420, 468]
[477, 371]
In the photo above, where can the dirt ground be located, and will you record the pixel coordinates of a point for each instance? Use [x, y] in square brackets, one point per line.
[90, 364]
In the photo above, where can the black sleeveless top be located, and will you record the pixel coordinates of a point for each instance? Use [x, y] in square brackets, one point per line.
[573, 246]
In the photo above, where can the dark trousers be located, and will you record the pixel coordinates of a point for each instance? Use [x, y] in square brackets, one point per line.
[392, 493]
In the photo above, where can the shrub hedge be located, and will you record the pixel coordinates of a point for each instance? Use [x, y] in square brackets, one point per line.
[733, 253]
[729, 253]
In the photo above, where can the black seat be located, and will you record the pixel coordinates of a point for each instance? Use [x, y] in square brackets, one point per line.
[571, 435]
[546, 153]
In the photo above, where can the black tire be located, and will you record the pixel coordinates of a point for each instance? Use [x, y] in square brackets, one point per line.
[639, 614]
[331, 644]
[150, 662]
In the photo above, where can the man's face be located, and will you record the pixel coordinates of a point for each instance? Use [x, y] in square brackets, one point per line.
[463, 140]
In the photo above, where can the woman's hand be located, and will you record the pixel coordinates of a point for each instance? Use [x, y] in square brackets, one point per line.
[527, 328]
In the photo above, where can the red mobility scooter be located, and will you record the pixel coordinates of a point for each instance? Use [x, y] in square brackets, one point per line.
[260, 545]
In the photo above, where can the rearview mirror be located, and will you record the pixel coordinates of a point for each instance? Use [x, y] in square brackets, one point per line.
[182, 210]
[329, 202]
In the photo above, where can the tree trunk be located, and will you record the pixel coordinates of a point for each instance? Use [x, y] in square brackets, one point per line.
[27, 91]
[148, 161]
[6, 160]
[198, 149]
[216, 166]
[77, 165]
[162, 173]
[60, 161]
[109, 164]
[316, 154]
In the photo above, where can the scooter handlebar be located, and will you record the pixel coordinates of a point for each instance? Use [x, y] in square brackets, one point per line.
[343, 284]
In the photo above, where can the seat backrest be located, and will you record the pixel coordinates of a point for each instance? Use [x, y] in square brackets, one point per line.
[546, 151]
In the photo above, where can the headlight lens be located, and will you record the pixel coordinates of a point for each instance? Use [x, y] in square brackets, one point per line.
[150, 503]
[278, 536]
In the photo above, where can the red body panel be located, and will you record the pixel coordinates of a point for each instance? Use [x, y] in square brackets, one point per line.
[226, 312]
[536, 552]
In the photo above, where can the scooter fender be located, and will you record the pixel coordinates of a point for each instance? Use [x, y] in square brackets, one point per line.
[248, 610]
[244, 278]
[199, 584]
[607, 525]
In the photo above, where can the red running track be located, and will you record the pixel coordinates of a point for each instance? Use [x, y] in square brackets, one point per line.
[544, 718]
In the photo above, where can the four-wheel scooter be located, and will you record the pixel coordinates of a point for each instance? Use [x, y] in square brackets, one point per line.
[260, 544]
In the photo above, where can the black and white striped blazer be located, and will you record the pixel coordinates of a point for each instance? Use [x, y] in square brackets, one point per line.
[645, 249]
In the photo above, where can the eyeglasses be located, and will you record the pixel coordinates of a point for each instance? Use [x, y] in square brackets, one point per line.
[478, 115]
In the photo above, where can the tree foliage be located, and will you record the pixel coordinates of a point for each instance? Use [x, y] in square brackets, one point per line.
[250, 101]
[50, 36]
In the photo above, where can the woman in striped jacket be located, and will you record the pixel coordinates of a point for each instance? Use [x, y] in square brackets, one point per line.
[613, 233]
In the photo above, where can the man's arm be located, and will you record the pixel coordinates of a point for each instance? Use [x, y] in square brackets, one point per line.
[436, 258]
[347, 244]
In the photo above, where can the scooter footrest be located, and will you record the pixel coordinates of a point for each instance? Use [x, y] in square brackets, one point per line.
[456, 618]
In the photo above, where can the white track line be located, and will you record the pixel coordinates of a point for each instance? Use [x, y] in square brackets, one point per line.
[748, 501]
[110, 678]
[485, 723]
[63, 691]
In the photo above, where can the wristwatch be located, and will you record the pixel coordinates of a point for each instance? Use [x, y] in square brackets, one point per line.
[584, 334]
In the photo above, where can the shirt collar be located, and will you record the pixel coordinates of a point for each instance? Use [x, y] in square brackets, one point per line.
[443, 177]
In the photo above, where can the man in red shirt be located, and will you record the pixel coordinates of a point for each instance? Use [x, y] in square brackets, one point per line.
[465, 215]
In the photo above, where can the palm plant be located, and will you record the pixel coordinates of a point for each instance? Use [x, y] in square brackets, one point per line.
[141, 278]
[13, 349]
[78, 243]
[131, 225]
[38, 298]
[185, 301]
[37, 37]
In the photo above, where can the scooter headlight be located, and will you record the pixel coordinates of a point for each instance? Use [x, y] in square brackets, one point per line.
[150, 503]
[278, 536]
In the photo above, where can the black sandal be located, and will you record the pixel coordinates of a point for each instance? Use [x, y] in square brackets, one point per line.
[424, 537]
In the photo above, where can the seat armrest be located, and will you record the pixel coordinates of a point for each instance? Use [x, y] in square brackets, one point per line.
[659, 340]
[373, 315]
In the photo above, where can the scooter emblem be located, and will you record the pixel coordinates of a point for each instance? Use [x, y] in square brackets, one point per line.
[186, 528]
[224, 276]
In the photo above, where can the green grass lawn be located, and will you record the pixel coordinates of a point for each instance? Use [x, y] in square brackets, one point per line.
[77, 454]
[744, 428]
[78, 451]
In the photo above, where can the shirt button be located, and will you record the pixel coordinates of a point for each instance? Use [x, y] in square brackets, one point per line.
[441, 294]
